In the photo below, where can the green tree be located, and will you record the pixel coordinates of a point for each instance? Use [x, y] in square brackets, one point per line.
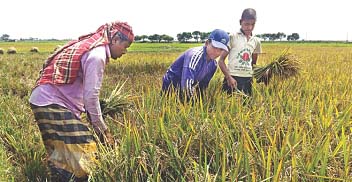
[137, 38]
[196, 35]
[184, 36]
[166, 38]
[293, 36]
[5, 37]
[267, 36]
[280, 35]
[144, 37]
[204, 36]
[154, 38]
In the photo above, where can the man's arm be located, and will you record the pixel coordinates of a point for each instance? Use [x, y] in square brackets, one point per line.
[231, 82]
[222, 64]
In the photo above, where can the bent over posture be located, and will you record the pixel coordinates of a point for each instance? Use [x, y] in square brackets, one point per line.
[69, 84]
[196, 66]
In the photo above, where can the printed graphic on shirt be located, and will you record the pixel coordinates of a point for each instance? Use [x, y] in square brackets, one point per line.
[244, 57]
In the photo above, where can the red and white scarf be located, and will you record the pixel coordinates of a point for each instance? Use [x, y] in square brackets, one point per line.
[62, 66]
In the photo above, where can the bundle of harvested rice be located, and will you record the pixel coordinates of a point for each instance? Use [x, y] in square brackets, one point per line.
[117, 102]
[282, 67]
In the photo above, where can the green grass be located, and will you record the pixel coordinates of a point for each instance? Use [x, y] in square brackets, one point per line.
[48, 46]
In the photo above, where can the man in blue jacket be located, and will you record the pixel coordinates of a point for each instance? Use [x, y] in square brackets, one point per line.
[196, 66]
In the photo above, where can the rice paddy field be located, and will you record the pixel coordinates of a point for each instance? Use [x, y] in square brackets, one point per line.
[297, 129]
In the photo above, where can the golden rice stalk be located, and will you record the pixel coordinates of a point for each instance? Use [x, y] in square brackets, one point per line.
[284, 66]
[117, 102]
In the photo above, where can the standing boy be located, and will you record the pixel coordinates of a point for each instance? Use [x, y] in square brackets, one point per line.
[243, 54]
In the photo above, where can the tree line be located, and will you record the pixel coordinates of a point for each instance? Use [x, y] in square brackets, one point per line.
[278, 36]
[198, 36]
[184, 37]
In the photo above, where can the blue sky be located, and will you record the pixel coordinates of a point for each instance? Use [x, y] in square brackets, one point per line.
[311, 19]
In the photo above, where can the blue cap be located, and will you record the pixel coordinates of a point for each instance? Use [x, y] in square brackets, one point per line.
[219, 39]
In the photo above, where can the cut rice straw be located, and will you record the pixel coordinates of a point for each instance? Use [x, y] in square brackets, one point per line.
[282, 67]
[117, 102]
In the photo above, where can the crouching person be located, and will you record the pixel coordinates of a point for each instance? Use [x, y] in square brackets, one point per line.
[69, 84]
[192, 71]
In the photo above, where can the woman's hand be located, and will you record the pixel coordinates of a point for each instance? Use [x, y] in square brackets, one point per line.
[108, 138]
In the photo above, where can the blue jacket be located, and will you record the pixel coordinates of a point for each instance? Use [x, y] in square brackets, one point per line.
[190, 69]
